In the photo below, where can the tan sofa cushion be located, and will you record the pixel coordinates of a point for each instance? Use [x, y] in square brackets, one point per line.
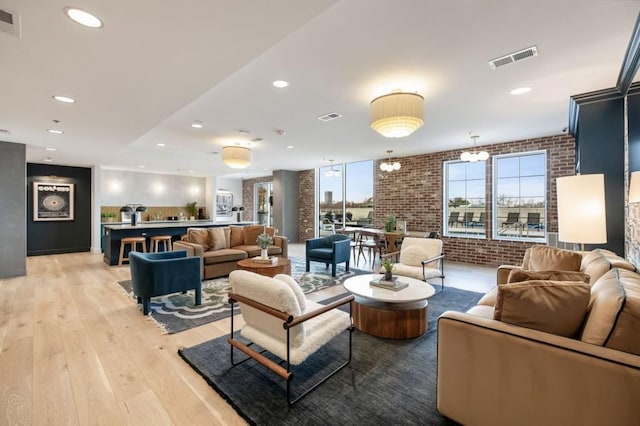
[613, 319]
[217, 239]
[544, 258]
[223, 255]
[489, 298]
[483, 311]
[251, 233]
[556, 307]
[199, 236]
[254, 250]
[236, 236]
[598, 262]
[519, 275]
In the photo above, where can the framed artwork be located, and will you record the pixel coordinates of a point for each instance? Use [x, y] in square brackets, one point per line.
[224, 203]
[52, 201]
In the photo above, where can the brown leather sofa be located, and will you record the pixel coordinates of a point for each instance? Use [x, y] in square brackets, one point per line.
[222, 247]
[518, 357]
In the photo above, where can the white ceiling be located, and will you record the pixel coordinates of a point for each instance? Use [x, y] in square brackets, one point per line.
[155, 67]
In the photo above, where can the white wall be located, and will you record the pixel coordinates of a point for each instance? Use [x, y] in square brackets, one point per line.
[120, 187]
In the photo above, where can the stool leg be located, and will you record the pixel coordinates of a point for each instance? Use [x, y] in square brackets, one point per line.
[144, 246]
[121, 258]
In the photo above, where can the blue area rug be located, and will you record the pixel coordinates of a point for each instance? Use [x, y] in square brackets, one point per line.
[387, 382]
[177, 312]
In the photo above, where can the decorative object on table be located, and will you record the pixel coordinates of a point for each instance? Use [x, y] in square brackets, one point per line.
[387, 264]
[475, 155]
[397, 114]
[224, 203]
[390, 223]
[392, 284]
[389, 166]
[192, 210]
[53, 201]
[264, 241]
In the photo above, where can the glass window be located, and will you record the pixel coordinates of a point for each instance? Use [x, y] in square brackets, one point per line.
[359, 193]
[465, 195]
[519, 189]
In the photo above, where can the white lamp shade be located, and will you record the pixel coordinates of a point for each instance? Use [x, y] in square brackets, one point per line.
[581, 209]
[397, 115]
[634, 188]
[236, 157]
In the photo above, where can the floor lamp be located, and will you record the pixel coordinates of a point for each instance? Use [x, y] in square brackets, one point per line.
[582, 214]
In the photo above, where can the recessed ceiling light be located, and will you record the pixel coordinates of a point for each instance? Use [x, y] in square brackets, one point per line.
[160, 144]
[520, 90]
[65, 99]
[55, 132]
[197, 124]
[82, 17]
[141, 166]
[50, 149]
[289, 146]
[280, 84]
[192, 171]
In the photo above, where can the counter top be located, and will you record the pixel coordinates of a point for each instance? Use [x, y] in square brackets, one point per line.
[170, 224]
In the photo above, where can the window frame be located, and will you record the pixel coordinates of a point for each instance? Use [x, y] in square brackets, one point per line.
[445, 203]
[494, 204]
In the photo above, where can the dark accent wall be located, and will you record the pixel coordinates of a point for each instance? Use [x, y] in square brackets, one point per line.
[633, 108]
[13, 234]
[53, 237]
[600, 149]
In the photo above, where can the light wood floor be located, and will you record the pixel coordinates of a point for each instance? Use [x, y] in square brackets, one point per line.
[76, 350]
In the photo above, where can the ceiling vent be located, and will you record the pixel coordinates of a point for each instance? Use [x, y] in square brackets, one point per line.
[330, 116]
[513, 57]
[9, 22]
[4, 132]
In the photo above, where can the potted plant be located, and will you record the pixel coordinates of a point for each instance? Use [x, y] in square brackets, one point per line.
[390, 223]
[192, 210]
[264, 241]
[387, 264]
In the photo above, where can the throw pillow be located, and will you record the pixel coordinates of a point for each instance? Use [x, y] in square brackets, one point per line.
[199, 236]
[217, 239]
[251, 234]
[413, 256]
[295, 287]
[544, 258]
[556, 307]
[519, 275]
[237, 236]
[614, 310]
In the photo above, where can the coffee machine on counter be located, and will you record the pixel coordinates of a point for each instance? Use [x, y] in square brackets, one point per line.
[132, 213]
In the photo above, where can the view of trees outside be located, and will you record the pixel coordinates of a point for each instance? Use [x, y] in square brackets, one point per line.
[520, 196]
[465, 209]
[355, 180]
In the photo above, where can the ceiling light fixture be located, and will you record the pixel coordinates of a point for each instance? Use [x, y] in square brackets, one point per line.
[160, 144]
[65, 99]
[397, 114]
[237, 157]
[289, 146]
[50, 149]
[520, 90]
[280, 84]
[197, 124]
[389, 166]
[83, 18]
[55, 132]
[474, 156]
[332, 172]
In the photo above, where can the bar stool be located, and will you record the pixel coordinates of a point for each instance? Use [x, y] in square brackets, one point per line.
[154, 244]
[134, 245]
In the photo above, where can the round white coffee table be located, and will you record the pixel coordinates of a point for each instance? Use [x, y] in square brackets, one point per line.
[387, 313]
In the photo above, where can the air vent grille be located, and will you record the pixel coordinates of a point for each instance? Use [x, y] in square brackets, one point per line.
[513, 57]
[330, 116]
[4, 132]
[9, 22]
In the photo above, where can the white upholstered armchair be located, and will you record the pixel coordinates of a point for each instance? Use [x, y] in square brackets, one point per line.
[420, 258]
[279, 318]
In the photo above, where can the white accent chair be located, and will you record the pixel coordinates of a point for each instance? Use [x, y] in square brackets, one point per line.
[279, 318]
[420, 258]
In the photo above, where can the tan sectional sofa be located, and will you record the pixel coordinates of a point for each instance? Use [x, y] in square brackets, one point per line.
[221, 247]
[546, 347]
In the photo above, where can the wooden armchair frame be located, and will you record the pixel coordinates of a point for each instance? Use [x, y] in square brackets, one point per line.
[289, 321]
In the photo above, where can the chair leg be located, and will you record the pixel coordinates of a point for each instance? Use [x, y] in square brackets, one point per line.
[199, 296]
[308, 266]
[146, 302]
[333, 269]
[347, 267]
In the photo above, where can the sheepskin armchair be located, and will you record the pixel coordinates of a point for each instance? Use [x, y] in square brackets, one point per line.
[420, 258]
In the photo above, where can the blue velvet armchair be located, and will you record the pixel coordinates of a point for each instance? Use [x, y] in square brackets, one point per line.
[332, 249]
[157, 274]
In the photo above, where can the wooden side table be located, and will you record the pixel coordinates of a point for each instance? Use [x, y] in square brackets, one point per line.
[281, 266]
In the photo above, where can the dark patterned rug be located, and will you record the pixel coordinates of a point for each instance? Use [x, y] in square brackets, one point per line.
[388, 381]
[177, 312]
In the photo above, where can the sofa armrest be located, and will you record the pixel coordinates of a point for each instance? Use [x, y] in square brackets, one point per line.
[191, 248]
[490, 372]
[282, 242]
[502, 274]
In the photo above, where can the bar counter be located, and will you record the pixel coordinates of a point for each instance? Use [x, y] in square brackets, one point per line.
[113, 233]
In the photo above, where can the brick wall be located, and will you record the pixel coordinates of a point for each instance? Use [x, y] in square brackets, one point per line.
[415, 192]
[306, 206]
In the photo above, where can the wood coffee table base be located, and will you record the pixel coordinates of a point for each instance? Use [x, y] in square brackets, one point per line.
[390, 323]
